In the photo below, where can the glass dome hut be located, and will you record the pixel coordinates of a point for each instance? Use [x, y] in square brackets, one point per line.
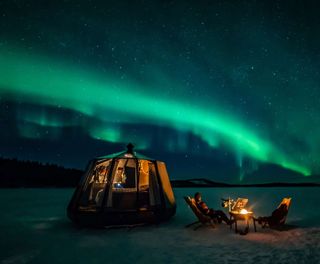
[124, 188]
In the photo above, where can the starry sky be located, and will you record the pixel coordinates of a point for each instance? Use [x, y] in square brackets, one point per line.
[227, 90]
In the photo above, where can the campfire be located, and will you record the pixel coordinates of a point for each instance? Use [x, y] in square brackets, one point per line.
[244, 211]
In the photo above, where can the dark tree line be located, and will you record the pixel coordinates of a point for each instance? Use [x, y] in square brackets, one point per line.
[16, 173]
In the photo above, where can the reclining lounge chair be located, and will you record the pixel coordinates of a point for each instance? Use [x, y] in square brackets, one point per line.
[203, 220]
[278, 217]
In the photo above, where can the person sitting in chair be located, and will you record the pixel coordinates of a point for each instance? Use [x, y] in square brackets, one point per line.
[217, 214]
[276, 217]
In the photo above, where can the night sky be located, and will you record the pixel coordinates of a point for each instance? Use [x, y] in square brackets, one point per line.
[216, 89]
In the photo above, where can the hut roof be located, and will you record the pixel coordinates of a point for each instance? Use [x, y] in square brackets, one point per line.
[129, 153]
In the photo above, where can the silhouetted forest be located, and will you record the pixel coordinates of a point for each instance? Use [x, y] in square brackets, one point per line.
[16, 173]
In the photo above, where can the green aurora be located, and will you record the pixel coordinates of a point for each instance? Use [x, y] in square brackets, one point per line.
[45, 81]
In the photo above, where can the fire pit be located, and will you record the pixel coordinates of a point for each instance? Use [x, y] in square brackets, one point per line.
[243, 215]
[238, 212]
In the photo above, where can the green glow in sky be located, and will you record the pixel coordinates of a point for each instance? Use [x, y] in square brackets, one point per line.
[107, 134]
[42, 119]
[41, 80]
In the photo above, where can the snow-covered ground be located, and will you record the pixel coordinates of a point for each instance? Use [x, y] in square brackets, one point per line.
[34, 229]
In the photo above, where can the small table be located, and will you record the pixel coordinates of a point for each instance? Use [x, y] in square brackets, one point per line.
[237, 215]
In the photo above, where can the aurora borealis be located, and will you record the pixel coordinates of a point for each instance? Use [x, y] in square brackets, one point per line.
[183, 81]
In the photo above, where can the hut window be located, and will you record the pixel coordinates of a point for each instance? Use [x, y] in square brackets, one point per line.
[154, 186]
[95, 186]
[143, 175]
[143, 198]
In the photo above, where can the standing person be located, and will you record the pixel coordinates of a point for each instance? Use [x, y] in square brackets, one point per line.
[218, 214]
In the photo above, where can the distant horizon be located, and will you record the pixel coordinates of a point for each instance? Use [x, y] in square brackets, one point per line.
[315, 178]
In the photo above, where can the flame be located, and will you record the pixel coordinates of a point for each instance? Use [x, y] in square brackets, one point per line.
[243, 211]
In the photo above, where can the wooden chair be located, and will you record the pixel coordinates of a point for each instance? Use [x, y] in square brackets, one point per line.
[278, 217]
[203, 220]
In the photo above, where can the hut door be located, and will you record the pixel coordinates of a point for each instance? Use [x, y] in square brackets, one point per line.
[124, 185]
